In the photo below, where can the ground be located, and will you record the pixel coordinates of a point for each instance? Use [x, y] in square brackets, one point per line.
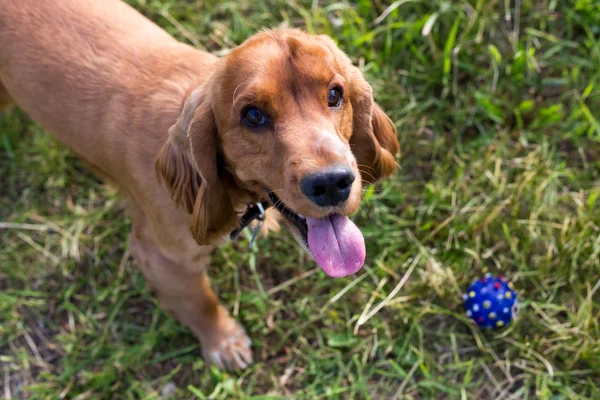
[497, 107]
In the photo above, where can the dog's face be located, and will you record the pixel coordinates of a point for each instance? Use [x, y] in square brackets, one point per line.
[285, 116]
[285, 122]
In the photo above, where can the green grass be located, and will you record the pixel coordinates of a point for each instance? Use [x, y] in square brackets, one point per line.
[497, 104]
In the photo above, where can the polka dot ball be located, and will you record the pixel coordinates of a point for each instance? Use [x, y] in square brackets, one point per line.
[491, 302]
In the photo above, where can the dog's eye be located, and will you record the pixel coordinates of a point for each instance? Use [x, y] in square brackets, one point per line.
[334, 99]
[253, 117]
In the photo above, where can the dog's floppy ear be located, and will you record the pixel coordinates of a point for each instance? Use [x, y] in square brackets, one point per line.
[374, 140]
[188, 164]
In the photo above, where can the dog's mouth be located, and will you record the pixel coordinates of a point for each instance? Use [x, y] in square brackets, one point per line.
[335, 242]
[295, 219]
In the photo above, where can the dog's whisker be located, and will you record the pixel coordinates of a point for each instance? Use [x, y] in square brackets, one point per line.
[369, 175]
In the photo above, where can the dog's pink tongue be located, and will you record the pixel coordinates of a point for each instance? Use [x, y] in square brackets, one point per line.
[336, 244]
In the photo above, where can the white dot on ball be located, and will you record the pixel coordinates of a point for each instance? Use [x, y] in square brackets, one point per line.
[475, 307]
[484, 290]
[505, 310]
[469, 313]
[500, 297]
[465, 296]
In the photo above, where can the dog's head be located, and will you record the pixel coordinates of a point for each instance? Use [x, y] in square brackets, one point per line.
[286, 116]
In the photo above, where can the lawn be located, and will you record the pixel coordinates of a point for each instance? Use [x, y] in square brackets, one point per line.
[497, 105]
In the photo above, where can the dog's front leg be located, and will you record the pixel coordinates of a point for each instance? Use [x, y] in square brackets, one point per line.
[224, 341]
[185, 292]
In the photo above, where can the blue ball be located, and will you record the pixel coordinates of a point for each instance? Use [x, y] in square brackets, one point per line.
[491, 302]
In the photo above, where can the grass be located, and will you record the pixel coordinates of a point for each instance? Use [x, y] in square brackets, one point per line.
[497, 105]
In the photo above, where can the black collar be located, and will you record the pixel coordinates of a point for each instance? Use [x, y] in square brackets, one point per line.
[253, 212]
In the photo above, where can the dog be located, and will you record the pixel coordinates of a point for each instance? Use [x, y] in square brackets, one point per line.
[194, 142]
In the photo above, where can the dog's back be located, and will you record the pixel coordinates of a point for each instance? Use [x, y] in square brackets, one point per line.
[90, 71]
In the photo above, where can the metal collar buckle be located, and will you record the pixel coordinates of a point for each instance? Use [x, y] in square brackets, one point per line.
[261, 219]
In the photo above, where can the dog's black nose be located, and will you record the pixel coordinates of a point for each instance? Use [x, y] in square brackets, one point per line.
[329, 187]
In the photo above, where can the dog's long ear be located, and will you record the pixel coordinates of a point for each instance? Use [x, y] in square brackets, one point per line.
[374, 140]
[188, 164]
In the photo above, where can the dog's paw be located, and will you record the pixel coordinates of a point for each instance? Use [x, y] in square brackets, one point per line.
[231, 351]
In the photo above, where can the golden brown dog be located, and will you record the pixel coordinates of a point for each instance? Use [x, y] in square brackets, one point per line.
[192, 139]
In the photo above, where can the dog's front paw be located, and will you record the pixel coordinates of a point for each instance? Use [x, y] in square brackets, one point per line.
[231, 350]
